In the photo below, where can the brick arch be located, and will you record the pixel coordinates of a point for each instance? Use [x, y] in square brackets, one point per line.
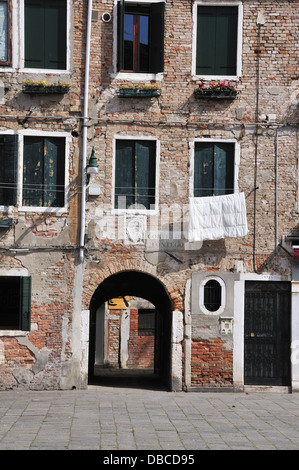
[95, 279]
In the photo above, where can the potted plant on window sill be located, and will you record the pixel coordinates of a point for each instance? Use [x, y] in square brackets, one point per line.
[140, 91]
[220, 90]
[43, 88]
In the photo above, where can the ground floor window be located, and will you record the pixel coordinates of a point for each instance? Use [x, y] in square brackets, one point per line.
[15, 294]
[146, 322]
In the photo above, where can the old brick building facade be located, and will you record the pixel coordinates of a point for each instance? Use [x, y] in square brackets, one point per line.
[99, 191]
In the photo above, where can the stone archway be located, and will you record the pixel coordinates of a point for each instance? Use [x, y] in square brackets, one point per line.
[141, 285]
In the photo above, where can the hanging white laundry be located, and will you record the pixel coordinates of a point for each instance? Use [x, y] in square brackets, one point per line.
[216, 217]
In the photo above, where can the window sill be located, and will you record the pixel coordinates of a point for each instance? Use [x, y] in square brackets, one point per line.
[45, 71]
[138, 76]
[13, 333]
[230, 78]
[134, 211]
[50, 210]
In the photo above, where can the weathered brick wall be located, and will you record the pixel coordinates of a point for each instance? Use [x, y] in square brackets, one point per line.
[211, 363]
[141, 348]
[35, 360]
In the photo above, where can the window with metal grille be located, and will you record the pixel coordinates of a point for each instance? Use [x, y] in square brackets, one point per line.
[135, 174]
[146, 322]
[212, 295]
[44, 171]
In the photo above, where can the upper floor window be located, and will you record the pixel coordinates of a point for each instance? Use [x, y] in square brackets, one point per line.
[214, 164]
[45, 34]
[5, 46]
[135, 174]
[140, 37]
[217, 40]
[43, 171]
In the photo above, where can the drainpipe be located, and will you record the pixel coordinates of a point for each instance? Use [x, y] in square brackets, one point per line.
[260, 21]
[85, 122]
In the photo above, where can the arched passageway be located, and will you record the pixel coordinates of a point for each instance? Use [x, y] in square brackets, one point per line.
[132, 284]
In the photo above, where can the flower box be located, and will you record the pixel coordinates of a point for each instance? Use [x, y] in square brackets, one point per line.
[218, 91]
[139, 92]
[199, 94]
[41, 88]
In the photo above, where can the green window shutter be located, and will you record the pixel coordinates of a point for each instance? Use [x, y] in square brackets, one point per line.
[54, 164]
[203, 169]
[45, 34]
[4, 52]
[33, 171]
[223, 168]
[157, 38]
[120, 34]
[25, 303]
[8, 169]
[206, 40]
[226, 45]
[216, 45]
[55, 34]
[124, 174]
[145, 169]
[34, 34]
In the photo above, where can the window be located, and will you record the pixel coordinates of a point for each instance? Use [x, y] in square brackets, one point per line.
[146, 322]
[43, 171]
[140, 37]
[8, 169]
[5, 46]
[15, 293]
[212, 295]
[45, 34]
[217, 41]
[135, 174]
[213, 168]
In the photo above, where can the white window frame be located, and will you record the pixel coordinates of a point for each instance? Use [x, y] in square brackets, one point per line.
[14, 272]
[201, 295]
[22, 43]
[135, 211]
[132, 76]
[211, 140]
[41, 209]
[235, 3]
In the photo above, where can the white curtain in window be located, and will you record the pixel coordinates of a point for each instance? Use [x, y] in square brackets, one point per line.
[216, 217]
[3, 31]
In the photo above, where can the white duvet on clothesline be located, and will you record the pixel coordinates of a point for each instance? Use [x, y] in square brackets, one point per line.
[216, 217]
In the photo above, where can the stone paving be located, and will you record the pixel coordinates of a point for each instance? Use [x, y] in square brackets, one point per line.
[127, 419]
